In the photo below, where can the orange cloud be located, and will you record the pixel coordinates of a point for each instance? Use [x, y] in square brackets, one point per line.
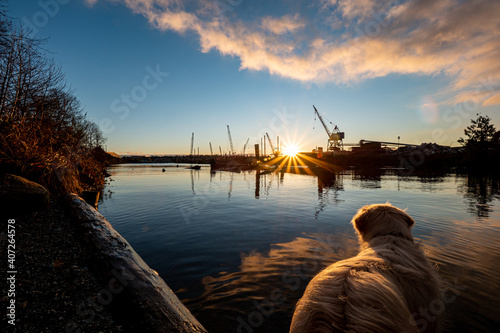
[495, 100]
[370, 38]
[177, 21]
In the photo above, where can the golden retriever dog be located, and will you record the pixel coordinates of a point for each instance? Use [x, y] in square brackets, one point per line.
[388, 287]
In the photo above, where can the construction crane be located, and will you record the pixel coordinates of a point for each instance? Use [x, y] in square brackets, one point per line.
[192, 143]
[230, 140]
[245, 146]
[335, 137]
[211, 151]
[274, 151]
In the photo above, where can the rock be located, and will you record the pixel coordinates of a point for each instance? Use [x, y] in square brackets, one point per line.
[144, 302]
[20, 196]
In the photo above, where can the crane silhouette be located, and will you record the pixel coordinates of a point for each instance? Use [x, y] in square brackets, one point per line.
[335, 136]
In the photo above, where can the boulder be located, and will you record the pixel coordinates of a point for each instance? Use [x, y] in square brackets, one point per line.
[21, 196]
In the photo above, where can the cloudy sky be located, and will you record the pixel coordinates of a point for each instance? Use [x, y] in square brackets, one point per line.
[151, 72]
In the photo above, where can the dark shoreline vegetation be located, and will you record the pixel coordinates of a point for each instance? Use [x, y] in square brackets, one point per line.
[44, 134]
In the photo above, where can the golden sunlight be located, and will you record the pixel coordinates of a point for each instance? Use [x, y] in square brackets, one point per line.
[291, 150]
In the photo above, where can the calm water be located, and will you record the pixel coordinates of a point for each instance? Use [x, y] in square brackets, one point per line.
[239, 248]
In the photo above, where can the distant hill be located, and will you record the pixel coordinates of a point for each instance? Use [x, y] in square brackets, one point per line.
[115, 155]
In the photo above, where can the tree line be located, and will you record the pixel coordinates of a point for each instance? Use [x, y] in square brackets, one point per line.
[481, 145]
[44, 133]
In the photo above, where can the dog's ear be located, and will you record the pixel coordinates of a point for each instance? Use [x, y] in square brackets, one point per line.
[408, 219]
[360, 220]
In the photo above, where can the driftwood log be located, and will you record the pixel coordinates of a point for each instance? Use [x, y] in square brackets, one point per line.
[136, 295]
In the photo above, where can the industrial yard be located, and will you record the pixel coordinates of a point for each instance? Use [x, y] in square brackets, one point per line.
[269, 154]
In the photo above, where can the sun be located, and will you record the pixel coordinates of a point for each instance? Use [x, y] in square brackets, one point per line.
[291, 150]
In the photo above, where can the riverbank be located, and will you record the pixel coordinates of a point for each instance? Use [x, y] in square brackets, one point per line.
[56, 291]
[70, 271]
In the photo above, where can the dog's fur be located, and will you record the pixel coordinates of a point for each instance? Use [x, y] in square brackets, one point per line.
[384, 288]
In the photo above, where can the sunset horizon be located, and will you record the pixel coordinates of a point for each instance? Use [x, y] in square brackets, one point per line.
[150, 73]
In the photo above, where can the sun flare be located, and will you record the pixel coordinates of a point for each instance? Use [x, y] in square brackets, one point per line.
[291, 150]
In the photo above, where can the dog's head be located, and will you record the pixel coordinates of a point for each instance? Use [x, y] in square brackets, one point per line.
[381, 220]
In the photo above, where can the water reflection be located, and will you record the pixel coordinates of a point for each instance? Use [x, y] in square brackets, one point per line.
[369, 178]
[257, 184]
[329, 184]
[329, 187]
[264, 180]
[479, 192]
[192, 181]
[268, 284]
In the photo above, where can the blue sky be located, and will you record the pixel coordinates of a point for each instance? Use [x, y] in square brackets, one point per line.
[151, 72]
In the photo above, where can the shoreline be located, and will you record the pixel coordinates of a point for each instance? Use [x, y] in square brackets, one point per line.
[75, 273]
[56, 291]
[144, 302]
